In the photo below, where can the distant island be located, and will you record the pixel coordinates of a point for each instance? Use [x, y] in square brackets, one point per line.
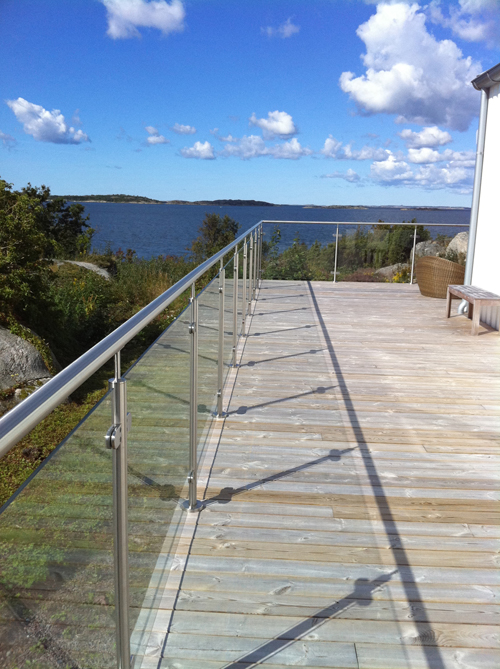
[138, 199]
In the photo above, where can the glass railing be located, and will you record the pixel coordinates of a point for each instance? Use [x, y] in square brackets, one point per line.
[88, 544]
[88, 547]
[349, 251]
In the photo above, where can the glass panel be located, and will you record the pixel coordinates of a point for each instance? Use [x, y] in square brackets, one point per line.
[365, 250]
[208, 351]
[240, 288]
[228, 319]
[158, 462]
[56, 558]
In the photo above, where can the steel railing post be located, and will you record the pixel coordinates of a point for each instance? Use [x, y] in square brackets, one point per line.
[336, 254]
[413, 254]
[235, 304]
[220, 362]
[256, 244]
[244, 290]
[192, 503]
[261, 235]
[250, 270]
[116, 439]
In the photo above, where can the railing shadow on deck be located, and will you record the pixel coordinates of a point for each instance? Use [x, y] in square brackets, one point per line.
[362, 588]
[227, 494]
[432, 654]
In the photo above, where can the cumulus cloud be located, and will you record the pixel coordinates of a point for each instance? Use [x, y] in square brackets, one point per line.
[200, 150]
[8, 142]
[430, 136]
[125, 16]
[183, 129]
[45, 126]
[155, 137]
[456, 174]
[471, 20]
[291, 150]
[426, 155]
[410, 73]
[253, 146]
[277, 124]
[285, 30]
[335, 149]
[350, 175]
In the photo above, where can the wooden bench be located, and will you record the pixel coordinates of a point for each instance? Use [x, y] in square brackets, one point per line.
[476, 297]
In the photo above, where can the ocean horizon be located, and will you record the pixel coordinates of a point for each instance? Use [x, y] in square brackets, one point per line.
[169, 229]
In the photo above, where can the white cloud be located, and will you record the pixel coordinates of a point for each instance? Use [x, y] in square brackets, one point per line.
[291, 150]
[45, 126]
[155, 137]
[125, 16]
[394, 171]
[365, 153]
[350, 175]
[391, 170]
[277, 124]
[430, 136]
[253, 146]
[202, 151]
[8, 141]
[335, 149]
[471, 20]
[427, 155]
[183, 129]
[285, 30]
[424, 155]
[410, 73]
[332, 147]
[249, 146]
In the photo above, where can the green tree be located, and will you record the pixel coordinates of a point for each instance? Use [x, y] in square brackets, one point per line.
[67, 231]
[23, 250]
[33, 230]
[215, 234]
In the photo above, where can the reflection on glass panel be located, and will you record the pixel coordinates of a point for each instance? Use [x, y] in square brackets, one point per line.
[208, 350]
[56, 558]
[228, 319]
[365, 250]
[158, 461]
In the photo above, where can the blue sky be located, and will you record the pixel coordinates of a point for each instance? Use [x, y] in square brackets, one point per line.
[325, 101]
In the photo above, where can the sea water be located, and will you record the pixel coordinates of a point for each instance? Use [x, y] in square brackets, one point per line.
[169, 229]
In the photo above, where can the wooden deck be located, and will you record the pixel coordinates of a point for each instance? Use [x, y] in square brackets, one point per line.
[352, 503]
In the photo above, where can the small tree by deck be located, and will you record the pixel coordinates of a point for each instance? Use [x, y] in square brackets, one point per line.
[214, 234]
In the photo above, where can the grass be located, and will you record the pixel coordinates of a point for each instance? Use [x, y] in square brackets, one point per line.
[81, 309]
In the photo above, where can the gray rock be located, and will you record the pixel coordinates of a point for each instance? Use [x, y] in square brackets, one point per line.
[20, 362]
[391, 270]
[428, 248]
[459, 243]
[87, 265]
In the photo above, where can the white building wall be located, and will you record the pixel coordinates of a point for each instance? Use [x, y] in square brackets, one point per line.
[486, 268]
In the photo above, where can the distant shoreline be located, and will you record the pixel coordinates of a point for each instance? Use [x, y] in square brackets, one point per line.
[136, 199]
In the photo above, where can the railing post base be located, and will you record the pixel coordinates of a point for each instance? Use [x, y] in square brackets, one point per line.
[185, 506]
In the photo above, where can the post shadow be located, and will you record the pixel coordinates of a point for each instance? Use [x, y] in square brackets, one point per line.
[252, 363]
[301, 327]
[409, 583]
[227, 494]
[241, 411]
[362, 595]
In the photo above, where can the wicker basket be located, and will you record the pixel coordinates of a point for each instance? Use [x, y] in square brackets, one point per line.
[434, 275]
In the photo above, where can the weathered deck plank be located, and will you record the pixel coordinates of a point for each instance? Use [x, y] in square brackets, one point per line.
[352, 506]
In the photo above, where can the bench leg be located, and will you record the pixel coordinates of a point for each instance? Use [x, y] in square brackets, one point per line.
[448, 304]
[475, 320]
[470, 311]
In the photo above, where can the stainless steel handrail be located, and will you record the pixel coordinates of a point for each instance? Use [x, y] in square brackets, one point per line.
[25, 416]
[409, 223]
[20, 420]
